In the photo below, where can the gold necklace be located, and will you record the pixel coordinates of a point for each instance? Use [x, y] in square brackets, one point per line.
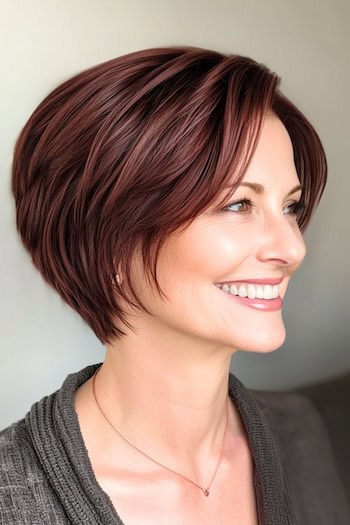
[203, 489]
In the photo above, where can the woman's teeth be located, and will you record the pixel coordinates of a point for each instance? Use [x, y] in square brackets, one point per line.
[252, 291]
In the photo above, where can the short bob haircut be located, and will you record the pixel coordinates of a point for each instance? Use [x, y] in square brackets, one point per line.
[125, 153]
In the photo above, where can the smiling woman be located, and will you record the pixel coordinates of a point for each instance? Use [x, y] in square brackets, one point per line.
[163, 194]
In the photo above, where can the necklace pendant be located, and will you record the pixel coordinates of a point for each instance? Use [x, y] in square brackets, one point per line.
[205, 492]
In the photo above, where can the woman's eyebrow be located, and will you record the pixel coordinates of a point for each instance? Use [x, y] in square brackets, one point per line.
[259, 188]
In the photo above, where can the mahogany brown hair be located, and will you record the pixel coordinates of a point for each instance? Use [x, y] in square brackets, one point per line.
[121, 155]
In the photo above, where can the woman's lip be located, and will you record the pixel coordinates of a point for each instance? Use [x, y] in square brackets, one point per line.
[259, 304]
[267, 305]
[254, 281]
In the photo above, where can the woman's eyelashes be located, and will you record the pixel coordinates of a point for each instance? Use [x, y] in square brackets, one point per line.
[245, 205]
[297, 207]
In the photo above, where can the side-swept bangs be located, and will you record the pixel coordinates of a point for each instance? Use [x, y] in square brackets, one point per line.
[123, 154]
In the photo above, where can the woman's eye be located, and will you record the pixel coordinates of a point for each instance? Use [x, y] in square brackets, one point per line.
[244, 205]
[296, 207]
[241, 206]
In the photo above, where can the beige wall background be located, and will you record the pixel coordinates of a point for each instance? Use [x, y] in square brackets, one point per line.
[307, 42]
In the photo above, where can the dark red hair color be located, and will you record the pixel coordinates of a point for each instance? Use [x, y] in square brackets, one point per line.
[130, 150]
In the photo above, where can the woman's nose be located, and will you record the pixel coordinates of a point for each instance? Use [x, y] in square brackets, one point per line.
[281, 241]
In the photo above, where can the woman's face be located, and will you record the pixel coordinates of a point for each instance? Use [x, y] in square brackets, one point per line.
[240, 243]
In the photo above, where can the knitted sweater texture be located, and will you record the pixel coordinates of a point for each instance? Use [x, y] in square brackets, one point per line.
[46, 476]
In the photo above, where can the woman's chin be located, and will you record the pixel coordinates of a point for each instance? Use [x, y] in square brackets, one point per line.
[265, 343]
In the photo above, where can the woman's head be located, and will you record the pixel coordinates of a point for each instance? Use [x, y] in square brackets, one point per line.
[126, 156]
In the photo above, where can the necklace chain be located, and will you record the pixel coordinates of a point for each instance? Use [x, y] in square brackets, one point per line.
[203, 489]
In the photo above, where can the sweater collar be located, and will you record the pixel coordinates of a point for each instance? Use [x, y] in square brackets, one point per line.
[55, 432]
[270, 480]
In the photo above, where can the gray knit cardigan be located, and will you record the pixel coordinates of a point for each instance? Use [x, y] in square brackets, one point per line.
[46, 476]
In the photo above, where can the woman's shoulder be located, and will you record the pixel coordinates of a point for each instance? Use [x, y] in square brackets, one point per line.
[19, 475]
[314, 420]
[315, 413]
[15, 454]
[25, 494]
[311, 427]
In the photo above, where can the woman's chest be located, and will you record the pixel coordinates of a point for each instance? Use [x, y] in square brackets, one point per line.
[166, 498]
[148, 509]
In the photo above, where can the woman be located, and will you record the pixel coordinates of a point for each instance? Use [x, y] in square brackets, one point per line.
[163, 194]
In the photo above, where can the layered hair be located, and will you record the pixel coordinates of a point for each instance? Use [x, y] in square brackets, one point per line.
[122, 155]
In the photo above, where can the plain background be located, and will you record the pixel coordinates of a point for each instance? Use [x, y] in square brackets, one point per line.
[307, 42]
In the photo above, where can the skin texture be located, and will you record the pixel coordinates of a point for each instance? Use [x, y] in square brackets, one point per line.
[171, 376]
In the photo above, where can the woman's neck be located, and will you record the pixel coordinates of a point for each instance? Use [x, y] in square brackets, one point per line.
[168, 401]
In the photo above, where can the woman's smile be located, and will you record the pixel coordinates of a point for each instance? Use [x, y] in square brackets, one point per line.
[263, 294]
[269, 301]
